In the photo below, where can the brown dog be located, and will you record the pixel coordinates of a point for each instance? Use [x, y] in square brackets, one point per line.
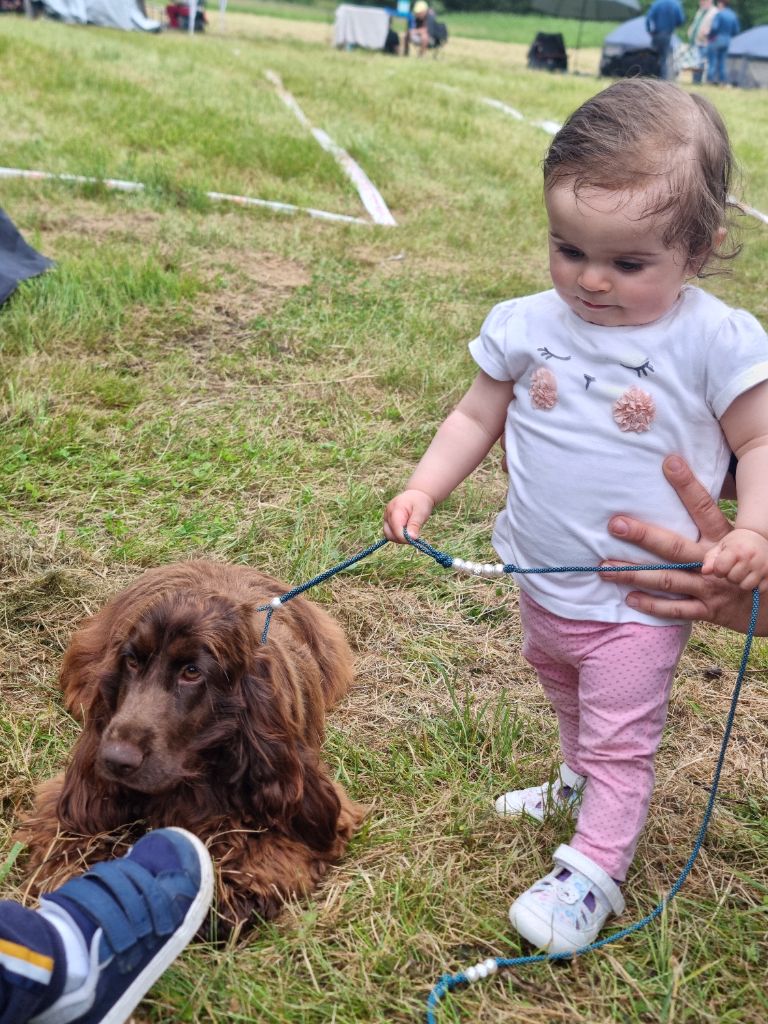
[189, 720]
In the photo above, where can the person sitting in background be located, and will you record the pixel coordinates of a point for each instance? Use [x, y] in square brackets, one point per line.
[423, 19]
[725, 25]
[663, 17]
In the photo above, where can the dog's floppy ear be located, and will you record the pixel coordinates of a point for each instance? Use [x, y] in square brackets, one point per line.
[317, 817]
[87, 803]
[286, 783]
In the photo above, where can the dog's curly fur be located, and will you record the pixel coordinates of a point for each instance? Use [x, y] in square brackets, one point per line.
[189, 720]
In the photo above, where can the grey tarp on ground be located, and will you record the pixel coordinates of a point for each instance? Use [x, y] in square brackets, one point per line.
[624, 42]
[633, 35]
[124, 14]
[18, 261]
[748, 58]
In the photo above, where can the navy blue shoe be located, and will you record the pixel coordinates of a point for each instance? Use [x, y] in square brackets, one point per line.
[136, 915]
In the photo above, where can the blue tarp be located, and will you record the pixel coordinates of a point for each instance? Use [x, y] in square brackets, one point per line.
[748, 59]
[18, 261]
[632, 35]
[752, 43]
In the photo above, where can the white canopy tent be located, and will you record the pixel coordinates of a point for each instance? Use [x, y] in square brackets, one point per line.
[123, 14]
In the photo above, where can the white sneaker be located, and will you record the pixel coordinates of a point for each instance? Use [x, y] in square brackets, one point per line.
[565, 910]
[537, 801]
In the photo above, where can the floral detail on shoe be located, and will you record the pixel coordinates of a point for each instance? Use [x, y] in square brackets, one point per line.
[543, 389]
[566, 910]
[635, 410]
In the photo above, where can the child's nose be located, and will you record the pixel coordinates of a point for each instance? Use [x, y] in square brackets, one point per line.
[593, 278]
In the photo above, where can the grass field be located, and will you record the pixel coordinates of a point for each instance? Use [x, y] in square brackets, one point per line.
[198, 378]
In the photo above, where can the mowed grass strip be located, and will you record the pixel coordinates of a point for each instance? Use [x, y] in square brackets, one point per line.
[194, 379]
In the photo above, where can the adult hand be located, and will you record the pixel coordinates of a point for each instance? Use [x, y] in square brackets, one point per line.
[706, 597]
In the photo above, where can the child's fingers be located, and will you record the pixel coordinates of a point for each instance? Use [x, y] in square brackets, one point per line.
[395, 518]
[709, 560]
[742, 571]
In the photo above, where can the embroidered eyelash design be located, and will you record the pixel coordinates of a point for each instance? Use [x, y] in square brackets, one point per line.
[642, 370]
[551, 355]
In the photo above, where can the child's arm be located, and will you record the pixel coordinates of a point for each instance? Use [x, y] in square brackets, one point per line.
[459, 446]
[742, 556]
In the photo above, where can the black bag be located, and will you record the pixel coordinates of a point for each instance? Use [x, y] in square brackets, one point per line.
[438, 31]
[547, 52]
[392, 42]
[634, 64]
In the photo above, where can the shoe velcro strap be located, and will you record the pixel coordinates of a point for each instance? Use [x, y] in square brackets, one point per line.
[100, 907]
[126, 904]
[567, 857]
[150, 895]
[124, 891]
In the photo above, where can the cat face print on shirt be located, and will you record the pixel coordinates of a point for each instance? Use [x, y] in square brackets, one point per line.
[632, 407]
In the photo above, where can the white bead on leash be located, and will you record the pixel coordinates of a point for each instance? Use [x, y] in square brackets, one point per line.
[477, 568]
[481, 969]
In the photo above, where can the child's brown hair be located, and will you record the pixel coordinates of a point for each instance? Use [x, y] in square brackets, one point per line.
[640, 131]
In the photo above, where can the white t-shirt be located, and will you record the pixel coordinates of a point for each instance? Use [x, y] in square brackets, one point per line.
[596, 410]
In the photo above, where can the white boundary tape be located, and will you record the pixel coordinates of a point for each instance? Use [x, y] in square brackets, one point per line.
[750, 210]
[503, 108]
[369, 194]
[137, 186]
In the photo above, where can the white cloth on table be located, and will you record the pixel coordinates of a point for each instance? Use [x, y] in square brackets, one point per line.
[360, 26]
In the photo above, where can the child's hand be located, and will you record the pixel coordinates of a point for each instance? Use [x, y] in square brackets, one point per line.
[741, 557]
[411, 509]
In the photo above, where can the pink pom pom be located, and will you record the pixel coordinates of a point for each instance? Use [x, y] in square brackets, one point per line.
[635, 410]
[543, 389]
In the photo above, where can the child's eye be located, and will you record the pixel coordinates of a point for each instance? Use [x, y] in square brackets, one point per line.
[629, 266]
[570, 252]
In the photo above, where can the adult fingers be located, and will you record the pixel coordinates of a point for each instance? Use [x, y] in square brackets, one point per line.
[668, 581]
[665, 544]
[685, 609]
[701, 507]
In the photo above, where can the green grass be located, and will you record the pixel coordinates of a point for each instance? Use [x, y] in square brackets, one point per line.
[200, 378]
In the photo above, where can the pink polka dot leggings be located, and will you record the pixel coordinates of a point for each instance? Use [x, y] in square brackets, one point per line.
[609, 685]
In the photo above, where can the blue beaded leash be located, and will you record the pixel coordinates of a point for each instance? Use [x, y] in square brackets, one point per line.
[491, 965]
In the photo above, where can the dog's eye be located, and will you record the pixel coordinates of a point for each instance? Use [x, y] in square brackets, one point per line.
[131, 662]
[190, 674]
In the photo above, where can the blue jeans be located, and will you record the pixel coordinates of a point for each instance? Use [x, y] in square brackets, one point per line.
[698, 72]
[660, 41]
[716, 55]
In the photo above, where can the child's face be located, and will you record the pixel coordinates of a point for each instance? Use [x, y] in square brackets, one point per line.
[607, 261]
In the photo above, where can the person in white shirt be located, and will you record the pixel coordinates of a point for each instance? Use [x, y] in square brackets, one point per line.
[593, 383]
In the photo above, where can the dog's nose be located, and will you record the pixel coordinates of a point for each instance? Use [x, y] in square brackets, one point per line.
[121, 758]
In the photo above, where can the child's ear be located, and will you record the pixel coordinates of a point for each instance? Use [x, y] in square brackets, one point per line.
[697, 262]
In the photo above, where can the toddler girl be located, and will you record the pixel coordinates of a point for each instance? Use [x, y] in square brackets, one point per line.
[593, 383]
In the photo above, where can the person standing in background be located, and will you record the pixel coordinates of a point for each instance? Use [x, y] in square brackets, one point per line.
[725, 25]
[663, 17]
[698, 37]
